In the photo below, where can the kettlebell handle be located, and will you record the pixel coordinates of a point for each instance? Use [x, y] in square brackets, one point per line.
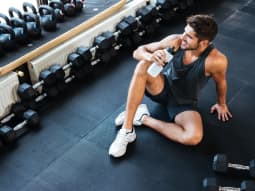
[49, 10]
[6, 19]
[56, 4]
[33, 16]
[13, 10]
[27, 5]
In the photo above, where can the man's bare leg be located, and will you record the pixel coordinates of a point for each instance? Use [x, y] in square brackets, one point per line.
[187, 130]
[139, 82]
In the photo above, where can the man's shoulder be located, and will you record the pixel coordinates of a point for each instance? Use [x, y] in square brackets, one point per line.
[216, 60]
[216, 56]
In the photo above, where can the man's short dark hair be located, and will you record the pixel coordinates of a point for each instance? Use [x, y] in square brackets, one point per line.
[204, 25]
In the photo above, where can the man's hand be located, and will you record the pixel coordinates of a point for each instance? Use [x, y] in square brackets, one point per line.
[158, 57]
[222, 110]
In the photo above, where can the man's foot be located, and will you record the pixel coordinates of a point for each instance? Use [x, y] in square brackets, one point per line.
[140, 112]
[119, 145]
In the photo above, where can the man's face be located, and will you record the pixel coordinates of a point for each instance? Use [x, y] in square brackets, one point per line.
[189, 39]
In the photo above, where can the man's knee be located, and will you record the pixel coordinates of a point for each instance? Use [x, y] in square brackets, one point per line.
[192, 137]
[141, 68]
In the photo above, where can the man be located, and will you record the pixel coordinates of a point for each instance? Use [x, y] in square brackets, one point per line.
[195, 61]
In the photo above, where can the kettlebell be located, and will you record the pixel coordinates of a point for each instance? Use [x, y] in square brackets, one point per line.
[69, 8]
[78, 5]
[58, 7]
[32, 20]
[19, 26]
[7, 37]
[47, 17]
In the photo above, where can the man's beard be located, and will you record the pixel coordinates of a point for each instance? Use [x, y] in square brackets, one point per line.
[192, 48]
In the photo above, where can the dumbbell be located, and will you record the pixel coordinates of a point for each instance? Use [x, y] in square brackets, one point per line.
[17, 111]
[50, 92]
[79, 62]
[128, 35]
[210, 184]
[28, 92]
[166, 9]
[9, 134]
[133, 29]
[221, 164]
[105, 46]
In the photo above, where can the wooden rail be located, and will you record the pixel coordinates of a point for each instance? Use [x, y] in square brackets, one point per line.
[62, 38]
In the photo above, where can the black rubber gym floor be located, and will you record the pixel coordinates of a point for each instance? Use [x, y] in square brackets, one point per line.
[70, 151]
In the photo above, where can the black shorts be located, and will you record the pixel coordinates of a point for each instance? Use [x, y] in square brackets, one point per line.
[166, 98]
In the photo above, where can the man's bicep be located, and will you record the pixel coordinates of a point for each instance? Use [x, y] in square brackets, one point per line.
[169, 41]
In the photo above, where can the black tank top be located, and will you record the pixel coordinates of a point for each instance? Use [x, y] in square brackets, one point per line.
[186, 81]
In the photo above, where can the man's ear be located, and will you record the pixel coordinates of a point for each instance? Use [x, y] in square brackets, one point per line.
[204, 43]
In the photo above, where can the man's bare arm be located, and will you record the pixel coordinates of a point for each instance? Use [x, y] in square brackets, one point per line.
[219, 76]
[218, 72]
[144, 52]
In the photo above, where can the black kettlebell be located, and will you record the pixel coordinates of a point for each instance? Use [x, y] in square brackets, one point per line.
[69, 8]
[30, 8]
[58, 7]
[47, 17]
[32, 20]
[7, 37]
[78, 5]
[19, 26]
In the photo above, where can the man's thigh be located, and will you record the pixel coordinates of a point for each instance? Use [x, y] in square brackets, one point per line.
[190, 120]
[154, 86]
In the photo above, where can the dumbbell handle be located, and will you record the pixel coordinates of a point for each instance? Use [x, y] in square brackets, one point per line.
[7, 118]
[229, 189]
[20, 125]
[36, 85]
[40, 97]
[238, 166]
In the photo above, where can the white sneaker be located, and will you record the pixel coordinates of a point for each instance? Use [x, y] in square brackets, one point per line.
[119, 145]
[140, 112]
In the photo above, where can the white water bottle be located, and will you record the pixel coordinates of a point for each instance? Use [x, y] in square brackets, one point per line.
[155, 68]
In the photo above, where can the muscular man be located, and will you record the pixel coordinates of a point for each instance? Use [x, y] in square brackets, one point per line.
[177, 88]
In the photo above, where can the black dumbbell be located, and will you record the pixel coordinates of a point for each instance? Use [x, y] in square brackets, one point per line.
[86, 56]
[80, 64]
[105, 46]
[105, 41]
[128, 35]
[221, 164]
[31, 120]
[166, 9]
[49, 92]
[210, 184]
[17, 111]
[28, 92]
